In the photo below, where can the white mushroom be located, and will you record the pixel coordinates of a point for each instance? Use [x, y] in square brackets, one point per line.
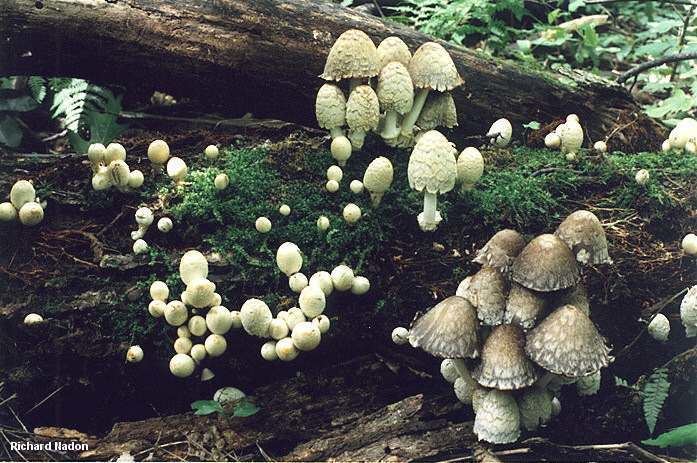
[378, 178]
[192, 265]
[140, 246]
[144, 218]
[351, 213]
[497, 419]
[335, 173]
[322, 223]
[256, 317]
[600, 146]
[159, 291]
[323, 279]
[332, 186]
[688, 312]
[199, 293]
[176, 313]
[219, 320]
[642, 177]
[297, 282]
[22, 192]
[135, 179]
[177, 170]
[211, 152]
[400, 335]
[306, 336]
[360, 285]
[182, 365]
[134, 354]
[165, 225]
[96, 153]
[157, 308]
[215, 345]
[288, 258]
[689, 244]
[278, 329]
[342, 277]
[286, 350]
[470, 167]
[284, 210]
[356, 186]
[158, 152]
[33, 319]
[197, 326]
[659, 328]
[500, 133]
[183, 345]
[263, 225]
[198, 352]
[322, 323]
[8, 212]
[31, 214]
[221, 181]
[552, 140]
[312, 301]
[207, 374]
[268, 351]
[294, 316]
[114, 152]
[449, 371]
[341, 150]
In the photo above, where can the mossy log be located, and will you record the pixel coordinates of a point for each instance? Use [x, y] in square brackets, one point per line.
[264, 57]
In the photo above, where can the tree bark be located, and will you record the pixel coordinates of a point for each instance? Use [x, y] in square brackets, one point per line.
[264, 56]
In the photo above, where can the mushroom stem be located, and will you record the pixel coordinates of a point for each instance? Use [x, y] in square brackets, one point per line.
[354, 82]
[357, 137]
[336, 132]
[430, 202]
[375, 198]
[411, 117]
[544, 380]
[391, 129]
[462, 370]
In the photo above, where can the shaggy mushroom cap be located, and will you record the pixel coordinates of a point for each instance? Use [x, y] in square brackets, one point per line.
[567, 343]
[31, 214]
[487, 291]
[642, 177]
[192, 265]
[342, 277]
[584, 234]
[497, 420]
[312, 301]
[689, 244]
[500, 132]
[478, 397]
[165, 225]
[395, 90]
[297, 282]
[306, 336]
[322, 223]
[330, 109]
[501, 249]
[504, 365]
[377, 178]
[219, 320]
[22, 192]
[659, 328]
[158, 152]
[362, 114]
[322, 323]
[449, 371]
[470, 167]
[688, 312]
[552, 140]
[256, 317]
[432, 165]
[134, 354]
[438, 111]
[393, 49]
[464, 387]
[119, 173]
[576, 296]
[589, 385]
[182, 365]
[293, 317]
[523, 307]
[176, 313]
[286, 350]
[200, 293]
[341, 150]
[288, 258]
[352, 56]
[450, 330]
[432, 68]
[323, 280]
[351, 213]
[545, 264]
[8, 212]
[535, 406]
[221, 181]
[360, 286]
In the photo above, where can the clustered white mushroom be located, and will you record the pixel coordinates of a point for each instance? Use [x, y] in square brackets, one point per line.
[406, 91]
[683, 137]
[524, 316]
[568, 137]
[23, 205]
[109, 168]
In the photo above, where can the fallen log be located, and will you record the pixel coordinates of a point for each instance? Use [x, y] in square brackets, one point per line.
[264, 56]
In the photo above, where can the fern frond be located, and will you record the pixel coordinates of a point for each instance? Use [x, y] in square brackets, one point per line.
[78, 98]
[37, 88]
[655, 393]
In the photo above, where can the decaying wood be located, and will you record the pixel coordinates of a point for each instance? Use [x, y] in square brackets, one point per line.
[264, 56]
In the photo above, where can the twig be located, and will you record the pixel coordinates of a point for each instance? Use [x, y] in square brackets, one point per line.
[681, 39]
[549, 170]
[377, 7]
[44, 400]
[655, 63]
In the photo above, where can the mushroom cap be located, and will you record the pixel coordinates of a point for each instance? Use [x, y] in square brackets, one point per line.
[552, 140]
[198, 352]
[342, 277]
[284, 210]
[363, 109]
[219, 320]
[642, 176]
[332, 186]
[689, 244]
[159, 291]
[31, 214]
[571, 135]
[268, 351]
[576, 296]
[470, 166]
[262, 224]
[353, 55]
[134, 354]
[464, 387]
[306, 336]
[144, 216]
[589, 385]
[323, 279]
[334, 172]
[211, 152]
[378, 175]
[33, 319]
[535, 406]
[504, 365]
[96, 152]
[432, 68]
[8, 212]
[395, 90]
[322, 223]
[293, 317]
[501, 249]
[356, 186]
[487, 291]
[545, 264]
[688, 312]
[288, 258]
[215, 345]
[278, 329]
[176, 168]
[158, 152]
[181, 365]
[500, 132]
[524, 306]
[497, 419]
[286, 350]
[256, 317]
[156, 308]
[567, 343]
[322, 322]
[432, 164]
[135, 179]
[114, 152]
[341, 148]
[140, 246]
[192, 265]
[312, 301]
[330, 107]
[182, 345]
[449, 371]
[221, 181]
[400, 335]
[119, 173]
[584, 234]
[600, 146]
[165, 224]
[438, 111]
[393, 49]
[176, 313]
[360, 286]
[351, 213]
[22, 192]
[450, 329]
[297, 282]
[659, 328]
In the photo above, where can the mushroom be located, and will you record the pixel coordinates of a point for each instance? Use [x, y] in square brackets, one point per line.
[182, 345]
[659, 328]
[165, 225]
[256, 317]
[31, 214]
[157, 308]
[211, 152]
[322, 323]
[286, 350]
[341, 150]
[665, 146]
[362, 114]
[393, 49]
[288, 258]
[464, 387]
[395, 93]
[263, 224]
[589, 385]
[535, 406]
[8, 212]
[552, 140]
[198, 352]
[182, 365]
[134, 354]
[497, 419]
[140, 246]
[33, 319]
[312, 301]
[500, 133]
[463, 287]
[642, 177]
[523, 307]
[342, 277]
[470, 167]
[158, 152]
[207, 374]
[114, 152]
[431, 68]
[377, 178]
[221, 181]
[183, 332]
[545, 264]
[576, 296]
[293, 317]
[177, 170]
[22, 192]
[192, 265]
[400, 335]
[335, 173]
[306, 336]
[501, 249]
[448, 330]
[96, 153]
[284, 210]
[323, 280]
[567, 343]
[504, 365]
[176, 313]
[351, 213]
[330, 109]
[600, 146]
[487, 292]
[297, 282]
[159, 291]
[322, 223]
[219, 320]
[215, 345]
[449, 371]
[144, 218]
[268, 351]
[438, 111]
[236, 319]
[584, 235]
[689, 244]
[688, 312]
[356, 186]
[119, 174]
[353, 56]
[432, 170]
[478, 397]
[571, 135]
[135, 179]
[278, 329]
[556, 406]
[360, 286]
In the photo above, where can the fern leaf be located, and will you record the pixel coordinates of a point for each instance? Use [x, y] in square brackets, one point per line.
[677, 437]
[37, 88]
[655, 393]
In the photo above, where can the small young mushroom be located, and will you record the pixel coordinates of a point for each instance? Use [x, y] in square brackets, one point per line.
[22, 192]
[497, 419]
[362, 114]
[256, 317]
[552, 140]
[96, 153]
[449, 371]
[33, 319]
[176, 313]
[286, 350]
[535, 406]
[332, 186]
[211, 152]
[221, 181]
[352, 213]
[665, 146]
[323, 279]
[470, 167]
[135, 179]
[278, 329]
[400, 335]
[284, 210]
[199, 293]
[157, 308]
[688, 312]
[114, 152]
[192, 265]
[353, 56]
[570, 134]
[294, 316]
[689, 244]
[464, 387]
[183, 345]
[335, 173]
[31, 214]
[215, 345]
[288, 258]
[356, 186]
[158, 152]
[144, 218]
[500, 133]
[584, 234]
[322, 323]
[642, 177]
[198, 352]
[263, 225]
[183, 331]
[377, 178]
[197, 326]
[159, 291]
[322, 223]
[268, 351]
[393, 49]
[182, 365]
[341, 150]
[330, 109]
[119, 174]
[395, 92]
[134, 354]
[306, 336]
[360, 286]
[165, 225]
[297, 282]
[207, 374]
[218, 320]
[600, 146]
[312, 301]
[177, 170]
[342, 277]
[140, 246]
[504, 365]
[659, 328]
[488, 291]
[8, 212]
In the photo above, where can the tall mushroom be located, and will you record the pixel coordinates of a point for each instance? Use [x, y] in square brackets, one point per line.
[584, 234]
[395, 93]
[353, 56]
[330, 109]
[545, 264]
[362, 114]
[504, 365]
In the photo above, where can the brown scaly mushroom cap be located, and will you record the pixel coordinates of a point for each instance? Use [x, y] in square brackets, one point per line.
[449, 330]
[487, 292]
[545, 264]
[393, 49]
[584, 234]
[501, 249]
[352, 56]
[567, 343]
[504, 365]
[439, 111]
[524, 306]
[576, 296]
[432, 68]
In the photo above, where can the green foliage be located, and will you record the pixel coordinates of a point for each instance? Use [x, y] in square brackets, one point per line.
[655, 393]
[13, 102]
[677, 437]
[206, 407]
[241, 408]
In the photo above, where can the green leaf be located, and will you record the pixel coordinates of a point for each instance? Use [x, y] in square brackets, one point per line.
[10, 131]
[206, 407]
[532, 125]
[576, 4]
[677, 437]
[677, 103]
[20, 104]
[655, 393]
[103, 129]
[245, 408]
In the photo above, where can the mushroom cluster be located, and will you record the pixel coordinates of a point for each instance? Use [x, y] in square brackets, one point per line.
[23, 205]
[519, 328]
[683, 137]
[406, 91]
[109, 168]
[568, 137]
